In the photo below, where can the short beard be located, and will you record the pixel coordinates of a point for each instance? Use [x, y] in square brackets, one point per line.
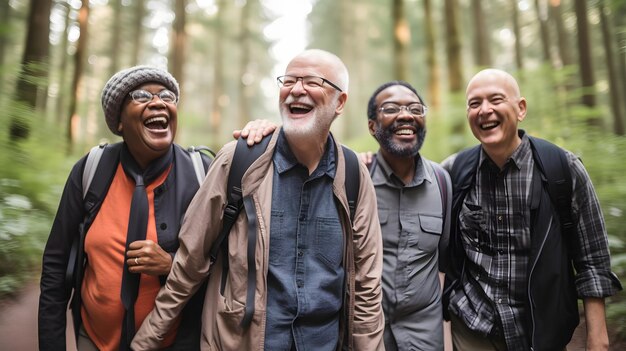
[385, 136]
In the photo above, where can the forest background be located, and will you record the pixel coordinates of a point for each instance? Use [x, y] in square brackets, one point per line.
[55, 56]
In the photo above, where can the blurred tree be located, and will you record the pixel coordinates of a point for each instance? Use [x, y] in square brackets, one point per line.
[62, 68]
[585, 60]
[620, 26]
[482, 53]
[138, 29]
[5, 10]
[453, 46]
[401, 41]
[556, 16]
[615, 92]
[79, 68]
[519, 61]
[544, 34]
[244, 64]
[33, 72]
[116, 34]
[178, 47]
[218, 70]
[431, 57]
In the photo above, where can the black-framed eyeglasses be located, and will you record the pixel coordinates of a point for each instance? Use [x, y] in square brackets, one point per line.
[392, 110]
[142, 96]
[312, 82]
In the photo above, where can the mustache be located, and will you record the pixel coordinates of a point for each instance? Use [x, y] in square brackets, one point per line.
[302, 100]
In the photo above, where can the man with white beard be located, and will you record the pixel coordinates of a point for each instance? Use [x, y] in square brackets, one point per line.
[316, 278]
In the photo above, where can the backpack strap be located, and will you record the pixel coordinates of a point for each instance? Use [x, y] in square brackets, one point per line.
[553, 163]
[443, 188]
[93, 159]
[243, 157]
[352, 180]
[196, 160]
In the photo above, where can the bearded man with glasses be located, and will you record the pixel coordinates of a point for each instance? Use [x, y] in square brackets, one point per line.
[315, 281]
[414, 217]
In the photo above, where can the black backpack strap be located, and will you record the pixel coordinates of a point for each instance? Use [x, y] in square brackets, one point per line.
[352, 180]
[553, 163]
[243, 157]
[443, 188]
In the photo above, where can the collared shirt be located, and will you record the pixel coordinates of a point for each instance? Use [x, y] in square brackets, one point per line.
[411, 219]
[495, 230]
[305, 276]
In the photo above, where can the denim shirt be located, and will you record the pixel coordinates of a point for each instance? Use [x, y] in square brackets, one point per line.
[305, 275]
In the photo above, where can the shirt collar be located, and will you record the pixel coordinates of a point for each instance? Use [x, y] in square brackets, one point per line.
[388, 177]
[285, 160]
[517, 159]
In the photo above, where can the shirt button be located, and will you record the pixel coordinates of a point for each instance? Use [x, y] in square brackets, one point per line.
[300, 253]
[299, 283]
[499, 300]
[500, 218]
[163, 226]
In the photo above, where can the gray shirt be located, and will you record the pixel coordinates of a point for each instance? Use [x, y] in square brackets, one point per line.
[414, 233]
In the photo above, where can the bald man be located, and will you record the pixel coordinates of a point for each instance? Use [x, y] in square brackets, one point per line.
[516, 273]
[316, 281]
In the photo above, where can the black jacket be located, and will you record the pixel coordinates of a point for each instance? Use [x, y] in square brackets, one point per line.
[551, 291]
[170, 203]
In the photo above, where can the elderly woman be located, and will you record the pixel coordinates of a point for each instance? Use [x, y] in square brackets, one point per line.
[128, 242]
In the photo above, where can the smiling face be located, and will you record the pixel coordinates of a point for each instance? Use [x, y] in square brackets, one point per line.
[494, 109]
[402, 135]
[148, 128]
[309, 111]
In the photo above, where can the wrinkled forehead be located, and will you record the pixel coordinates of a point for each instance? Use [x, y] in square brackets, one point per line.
[314, 64]
[398, 94]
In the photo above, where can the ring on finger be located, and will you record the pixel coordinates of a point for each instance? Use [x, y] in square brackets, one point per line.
[137, 261]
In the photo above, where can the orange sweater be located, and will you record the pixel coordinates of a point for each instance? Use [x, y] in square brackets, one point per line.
[102, 310]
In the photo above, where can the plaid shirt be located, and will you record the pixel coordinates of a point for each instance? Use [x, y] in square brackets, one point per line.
[495, 229]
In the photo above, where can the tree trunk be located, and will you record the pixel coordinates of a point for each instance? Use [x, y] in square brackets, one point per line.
[5, 11]
[585, 61]
[60, 110]
[79, 67]
[614, 87]
[519, 62]
[431, 57]
[140, 13]
[620, 22]
[561, 32]
[179, 42]
[542, 16]
[482, 54]
[244, 61]
[401, 40]
[116, 34]
[34, 67]
[218, 73]
[453, 46]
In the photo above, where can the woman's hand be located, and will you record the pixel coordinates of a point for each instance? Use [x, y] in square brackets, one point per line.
[147, 257]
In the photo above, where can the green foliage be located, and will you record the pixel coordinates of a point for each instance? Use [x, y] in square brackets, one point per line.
[31, 178]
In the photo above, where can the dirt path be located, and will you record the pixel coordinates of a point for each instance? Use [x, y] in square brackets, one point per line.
[18, 322]
[18, 325]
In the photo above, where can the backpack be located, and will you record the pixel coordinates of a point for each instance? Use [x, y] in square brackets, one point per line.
[99, 188]
[553, 166]
[552, 163]
[242, 159]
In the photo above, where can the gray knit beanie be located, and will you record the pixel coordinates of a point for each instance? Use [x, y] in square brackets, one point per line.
[123, 82]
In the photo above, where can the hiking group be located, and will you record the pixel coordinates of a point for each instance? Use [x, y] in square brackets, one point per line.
[286, 241]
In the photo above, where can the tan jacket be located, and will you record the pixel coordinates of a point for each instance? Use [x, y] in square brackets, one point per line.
[363, 316]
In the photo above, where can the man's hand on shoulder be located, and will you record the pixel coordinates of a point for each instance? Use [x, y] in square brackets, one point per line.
[255, 130]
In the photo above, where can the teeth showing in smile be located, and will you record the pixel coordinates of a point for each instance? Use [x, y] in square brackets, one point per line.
[156, 123]
[299, 108]
[404, 132]
[489, 125]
